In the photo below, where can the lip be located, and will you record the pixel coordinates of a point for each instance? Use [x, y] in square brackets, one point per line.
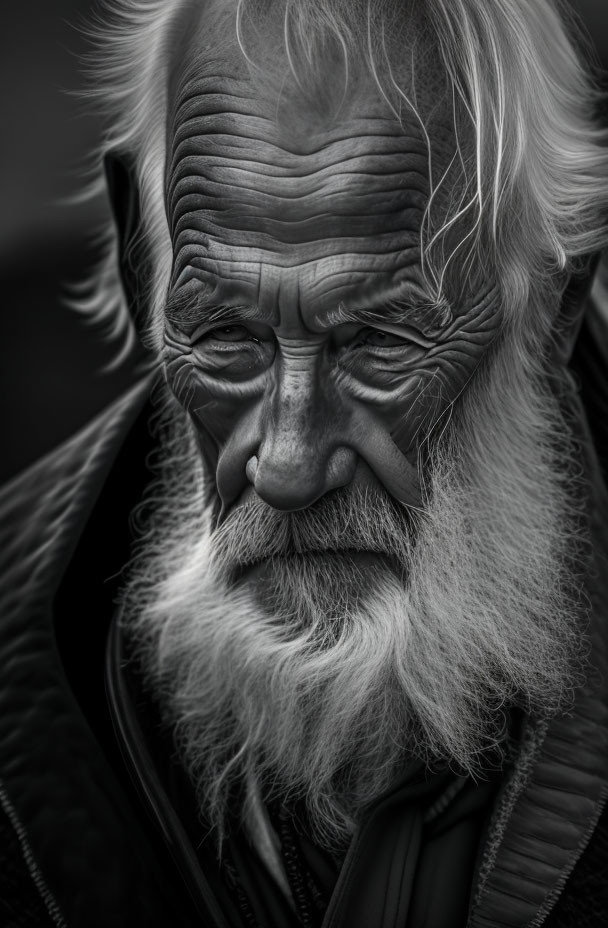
[361, 557]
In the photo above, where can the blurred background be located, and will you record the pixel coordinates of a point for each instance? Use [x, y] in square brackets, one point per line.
[51, 359]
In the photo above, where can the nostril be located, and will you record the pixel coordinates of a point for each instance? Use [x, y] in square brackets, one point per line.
[251, 468]
[341, 468]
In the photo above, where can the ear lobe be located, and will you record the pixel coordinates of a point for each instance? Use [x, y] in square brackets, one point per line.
[571, 312]
[124, 203]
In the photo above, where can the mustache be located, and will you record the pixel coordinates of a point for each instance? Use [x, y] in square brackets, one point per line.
[348, 519]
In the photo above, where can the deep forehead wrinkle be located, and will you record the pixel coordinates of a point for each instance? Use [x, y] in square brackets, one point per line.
[232, 168]
[218, 105]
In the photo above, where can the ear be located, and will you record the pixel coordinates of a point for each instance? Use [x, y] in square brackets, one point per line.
[571, 312]
[124, 203]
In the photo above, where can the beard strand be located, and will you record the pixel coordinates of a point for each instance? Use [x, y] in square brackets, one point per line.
[280, 651]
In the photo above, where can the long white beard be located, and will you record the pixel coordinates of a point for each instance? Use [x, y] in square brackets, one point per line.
[331, 671]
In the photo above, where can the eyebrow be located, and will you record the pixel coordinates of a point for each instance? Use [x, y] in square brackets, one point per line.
[195, 306]
[429, 316]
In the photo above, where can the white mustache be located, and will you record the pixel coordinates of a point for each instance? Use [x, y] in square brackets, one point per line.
[346, 520]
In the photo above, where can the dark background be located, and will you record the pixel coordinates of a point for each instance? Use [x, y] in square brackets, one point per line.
[52, 359]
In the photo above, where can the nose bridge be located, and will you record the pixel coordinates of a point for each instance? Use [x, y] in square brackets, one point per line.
[297, 408]
[301, 456]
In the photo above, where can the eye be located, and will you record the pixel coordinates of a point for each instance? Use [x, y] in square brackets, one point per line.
[226, 333]
[377, 338]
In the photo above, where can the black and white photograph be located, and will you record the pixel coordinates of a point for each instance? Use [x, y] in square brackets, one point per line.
[304, 473]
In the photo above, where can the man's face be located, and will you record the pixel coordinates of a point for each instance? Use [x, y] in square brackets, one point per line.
[301, 333]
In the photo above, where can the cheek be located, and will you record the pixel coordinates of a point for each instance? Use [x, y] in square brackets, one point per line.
[441, 380]
[407, 396]
[216, 399]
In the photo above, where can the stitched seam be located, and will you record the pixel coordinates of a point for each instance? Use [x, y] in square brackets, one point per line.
[519, 778]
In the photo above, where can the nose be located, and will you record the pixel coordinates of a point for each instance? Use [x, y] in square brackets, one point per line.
[297, 487]
[302, 454]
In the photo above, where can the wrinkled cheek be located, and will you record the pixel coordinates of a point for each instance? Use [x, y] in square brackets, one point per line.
[221, 412]
[423, 402]
[418, 410]
[209, 414]
[407, 411]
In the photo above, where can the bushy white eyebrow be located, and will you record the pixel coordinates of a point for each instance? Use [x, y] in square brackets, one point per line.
[191, 306]
[427, 316]
[196, 306]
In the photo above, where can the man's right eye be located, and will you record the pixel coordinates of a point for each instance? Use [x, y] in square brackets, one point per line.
[225, 333]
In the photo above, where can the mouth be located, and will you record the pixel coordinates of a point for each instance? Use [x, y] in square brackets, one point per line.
[357, 558]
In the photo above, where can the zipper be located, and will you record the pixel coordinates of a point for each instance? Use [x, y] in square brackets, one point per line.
[44, 892]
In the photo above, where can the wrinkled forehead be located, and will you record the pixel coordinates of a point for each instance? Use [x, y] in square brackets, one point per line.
[228, 140]
[259, 155]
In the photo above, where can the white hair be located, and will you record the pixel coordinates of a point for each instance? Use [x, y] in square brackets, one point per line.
[535, 180]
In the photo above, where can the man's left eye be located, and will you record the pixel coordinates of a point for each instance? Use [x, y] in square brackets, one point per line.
[378, 338]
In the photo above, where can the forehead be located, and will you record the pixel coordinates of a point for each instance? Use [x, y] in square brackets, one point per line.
[263, 176]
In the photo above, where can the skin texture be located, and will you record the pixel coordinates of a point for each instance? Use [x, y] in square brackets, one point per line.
[300, 332]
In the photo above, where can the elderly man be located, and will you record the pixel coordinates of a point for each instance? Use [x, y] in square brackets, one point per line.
[356, 672]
